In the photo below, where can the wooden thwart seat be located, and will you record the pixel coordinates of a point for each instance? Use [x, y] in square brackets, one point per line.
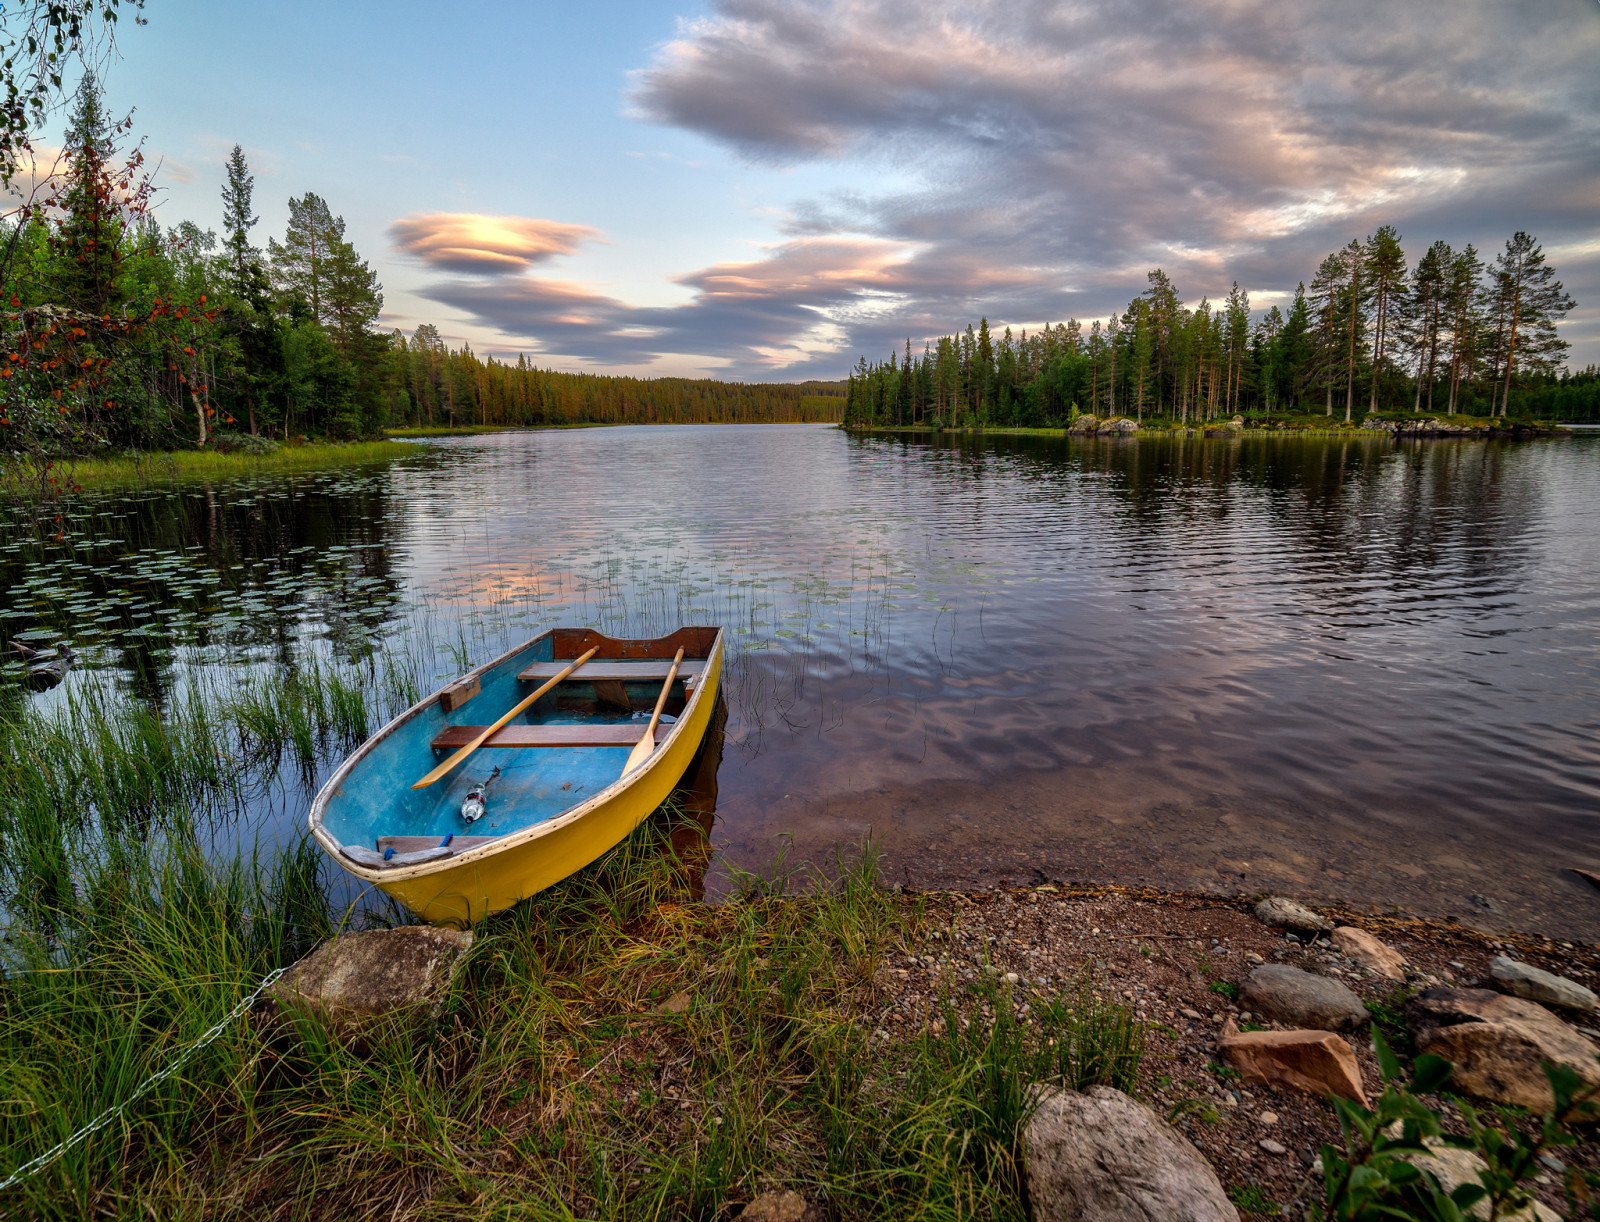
[619, 734]
[644, 670]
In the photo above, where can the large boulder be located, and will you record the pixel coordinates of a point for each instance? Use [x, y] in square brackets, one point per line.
[1317, 1062]
[1120, 424]
[358, 977]
[1368, 951]
[1085, 423]
[1535, 984]
[1283, 913]
[1101, 1157]
[1300, 999]
[1453, 1167]
[1498, 1044]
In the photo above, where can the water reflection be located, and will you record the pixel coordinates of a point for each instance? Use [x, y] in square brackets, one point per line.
[1348, 667]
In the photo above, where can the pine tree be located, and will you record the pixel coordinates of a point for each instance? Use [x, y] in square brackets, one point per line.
[1421, 317]
[1326, 295]
[1463, 296]
[1238, 324]
[1353, 308]
[351, 297]
[300, 265]
[1385, 268]
[1529, 301]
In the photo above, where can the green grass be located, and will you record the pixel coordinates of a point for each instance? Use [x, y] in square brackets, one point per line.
[551, 1085]
[183, 465]
[1253, 1199]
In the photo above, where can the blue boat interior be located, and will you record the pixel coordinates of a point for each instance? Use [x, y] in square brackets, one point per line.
[533, 785]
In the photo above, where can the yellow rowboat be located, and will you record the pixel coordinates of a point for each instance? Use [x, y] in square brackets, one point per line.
[546, 793]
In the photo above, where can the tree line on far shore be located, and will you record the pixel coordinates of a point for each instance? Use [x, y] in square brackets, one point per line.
[115, 332]
[1450, 334]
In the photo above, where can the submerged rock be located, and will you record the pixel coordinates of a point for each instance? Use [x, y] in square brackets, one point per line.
[1498, 1044]
[362, 976]
[1534, 984]
[1317, 1062]
[1283, 913]
[1301, 999]
[1368, 951]
[1101, 1157]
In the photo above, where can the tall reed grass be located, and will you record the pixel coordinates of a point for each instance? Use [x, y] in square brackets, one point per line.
[610, 1050]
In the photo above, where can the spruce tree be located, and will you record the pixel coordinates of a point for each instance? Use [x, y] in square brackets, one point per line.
[88, 239]
[244, 260]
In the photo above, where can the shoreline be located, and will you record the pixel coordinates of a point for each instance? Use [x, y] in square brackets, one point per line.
[1513, 431]
[615, 1047]
[179, 466]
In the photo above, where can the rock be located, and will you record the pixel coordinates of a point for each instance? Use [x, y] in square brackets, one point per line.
[1084, 424]
[1272, 1147]
[361, 976]
[1271, 1117]
[1497, 1044]
[1317, 1062]
[676, 1004]
[784, 1206]
[1301, 999]
[1296, 918]
[1120, 424]
[1526, 981]
[1101, 1157]
[1370, 952]
[1453, 1166]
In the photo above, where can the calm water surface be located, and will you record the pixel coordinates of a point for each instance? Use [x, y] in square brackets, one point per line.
[1343, 668]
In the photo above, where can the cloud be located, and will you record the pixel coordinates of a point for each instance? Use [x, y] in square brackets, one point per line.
[1056, 150]
[1066, 147]
[486, 245]
[795, 302]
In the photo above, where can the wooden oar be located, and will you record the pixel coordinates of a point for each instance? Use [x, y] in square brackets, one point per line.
[642, 748]
[484, 737]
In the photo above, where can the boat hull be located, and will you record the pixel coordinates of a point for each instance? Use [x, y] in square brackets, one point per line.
[469, 886]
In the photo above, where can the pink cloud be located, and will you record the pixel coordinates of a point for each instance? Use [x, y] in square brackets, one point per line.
[492, 245]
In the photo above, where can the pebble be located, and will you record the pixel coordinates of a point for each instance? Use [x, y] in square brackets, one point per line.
[1273, 1147]
[1192, 1014]
[1269, 1117]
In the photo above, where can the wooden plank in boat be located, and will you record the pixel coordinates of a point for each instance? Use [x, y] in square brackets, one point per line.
[620, 734]
[415, 844]
[642, 671]
[570, 642]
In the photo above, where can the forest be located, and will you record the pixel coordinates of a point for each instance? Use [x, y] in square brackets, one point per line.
[1450, 334]
[119, 334]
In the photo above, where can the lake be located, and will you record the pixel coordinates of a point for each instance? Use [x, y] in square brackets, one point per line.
[1349, 669]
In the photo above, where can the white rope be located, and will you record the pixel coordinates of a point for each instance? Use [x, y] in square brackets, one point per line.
[161, 1075]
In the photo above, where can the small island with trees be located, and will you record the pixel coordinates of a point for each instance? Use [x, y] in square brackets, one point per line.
[1452, 344]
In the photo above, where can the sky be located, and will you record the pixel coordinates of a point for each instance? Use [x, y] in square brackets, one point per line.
[765, 190]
